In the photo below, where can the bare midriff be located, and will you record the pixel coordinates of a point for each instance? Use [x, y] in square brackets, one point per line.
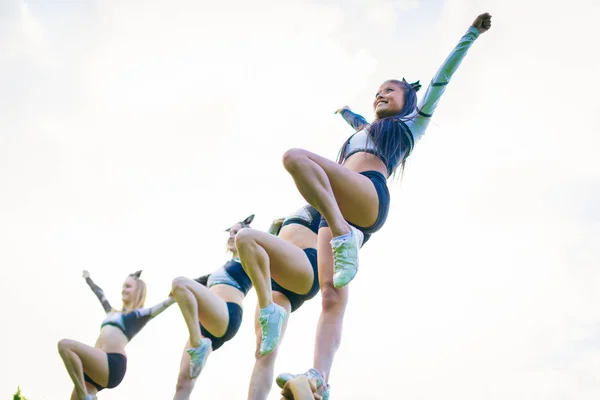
[228, 293]
[111, 340]
[363, 161]
[299, 235]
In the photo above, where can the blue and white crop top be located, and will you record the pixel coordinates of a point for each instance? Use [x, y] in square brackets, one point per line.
[130, 323]
[232, 274]
[415, 124]
[307, 216]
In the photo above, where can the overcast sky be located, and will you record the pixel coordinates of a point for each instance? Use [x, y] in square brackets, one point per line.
[131, 135]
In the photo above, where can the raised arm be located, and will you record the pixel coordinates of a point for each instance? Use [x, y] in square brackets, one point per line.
[98, 292]
[356, 121]
[436, 88]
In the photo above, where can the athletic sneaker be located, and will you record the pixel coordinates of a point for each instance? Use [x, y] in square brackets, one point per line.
[312, 374]
[198, 357]
[271, 320]
[345, 257]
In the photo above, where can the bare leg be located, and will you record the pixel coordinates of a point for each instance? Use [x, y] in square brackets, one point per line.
[329, 328]
[264, 255]
[337, 192]
[264, 366]
[78, 358]
[90, 390]
[185, 384]
[197, 303]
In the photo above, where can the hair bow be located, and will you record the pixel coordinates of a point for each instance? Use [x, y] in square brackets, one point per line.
[136, 274]
[244, 223]
[415, 85]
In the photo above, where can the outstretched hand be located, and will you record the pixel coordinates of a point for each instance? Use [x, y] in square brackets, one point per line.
[483, 22]
[85, 274]
[339, 110]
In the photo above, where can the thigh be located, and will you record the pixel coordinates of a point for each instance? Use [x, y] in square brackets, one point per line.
[94, 361]
[290, 267]
[355, 193]
[212, 310]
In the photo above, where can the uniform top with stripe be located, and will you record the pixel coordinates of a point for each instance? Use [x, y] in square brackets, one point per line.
[129, 322]
[414, 125]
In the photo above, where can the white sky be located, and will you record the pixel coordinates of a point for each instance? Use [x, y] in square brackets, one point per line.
[131, 136]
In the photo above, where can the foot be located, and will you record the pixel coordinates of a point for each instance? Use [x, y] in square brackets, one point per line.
[345, 257]
[271, 320]
[312, 374]
[90, 397]
[198, 357]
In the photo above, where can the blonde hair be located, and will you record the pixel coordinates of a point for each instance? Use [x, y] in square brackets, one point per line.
[140, 294]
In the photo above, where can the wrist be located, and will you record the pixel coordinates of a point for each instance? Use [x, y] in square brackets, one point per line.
[474, 30]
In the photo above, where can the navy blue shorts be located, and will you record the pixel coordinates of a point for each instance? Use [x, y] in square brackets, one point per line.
[117, 365]
[383, 194]
[296, 300]
[235, 321]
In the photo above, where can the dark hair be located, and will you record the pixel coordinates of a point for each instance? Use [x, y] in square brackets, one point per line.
[390, 135]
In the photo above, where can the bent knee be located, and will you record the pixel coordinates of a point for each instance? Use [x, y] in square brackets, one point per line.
[179, 283]
[293, 157]
[332, 298]
[245, 237]
[64, 344]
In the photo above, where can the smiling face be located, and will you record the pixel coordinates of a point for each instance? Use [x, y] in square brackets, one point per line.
[235, 228]
[129, 290]
[389, 99]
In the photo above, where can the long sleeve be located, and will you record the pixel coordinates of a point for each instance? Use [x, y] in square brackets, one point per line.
[100, 294]
[356, 121]
[430, 100]
[157, 309]
[136, 320]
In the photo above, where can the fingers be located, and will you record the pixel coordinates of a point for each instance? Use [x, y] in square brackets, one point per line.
[483, 22]
[300, 388]
[286, 392]
[486, 23]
